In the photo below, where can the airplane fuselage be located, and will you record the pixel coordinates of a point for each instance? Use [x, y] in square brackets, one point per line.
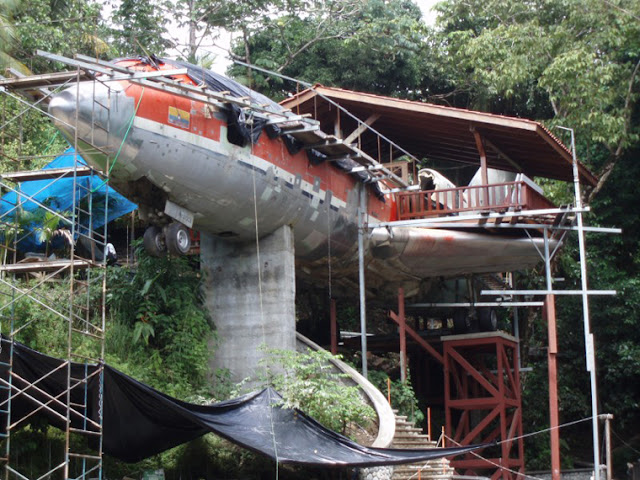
[176, 158]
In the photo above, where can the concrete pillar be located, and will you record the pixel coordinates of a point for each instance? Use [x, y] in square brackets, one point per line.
[232, 293]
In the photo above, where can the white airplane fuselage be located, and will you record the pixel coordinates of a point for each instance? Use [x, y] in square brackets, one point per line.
[172, 156]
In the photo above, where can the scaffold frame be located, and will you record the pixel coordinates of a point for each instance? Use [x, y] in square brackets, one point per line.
[81, 311]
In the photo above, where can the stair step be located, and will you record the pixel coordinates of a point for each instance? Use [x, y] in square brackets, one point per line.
[412, 430]
[401, 443]
[414, 476]
[410, 437]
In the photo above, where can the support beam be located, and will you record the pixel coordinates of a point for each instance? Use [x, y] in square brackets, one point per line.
[251, 296]
[361, 128]
[488, 405]
[483, 156]
[513, 163]
[413, 334]
[362, 211]
[549, 313]
[403, 336]
[334, 327]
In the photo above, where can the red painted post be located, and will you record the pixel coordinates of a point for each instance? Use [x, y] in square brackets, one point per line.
[334, 327]
[549, 314]
[403, 336]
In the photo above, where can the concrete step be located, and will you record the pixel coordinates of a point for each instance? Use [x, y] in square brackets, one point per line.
[411, 434]
[409, 437]
[423, 476]
[411, 445]
[418, 439]
[409, 429]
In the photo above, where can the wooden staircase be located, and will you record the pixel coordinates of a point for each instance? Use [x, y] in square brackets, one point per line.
[409, 437]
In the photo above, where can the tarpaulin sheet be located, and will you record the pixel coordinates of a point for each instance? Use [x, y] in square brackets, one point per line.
[58, 195]
[140, 421]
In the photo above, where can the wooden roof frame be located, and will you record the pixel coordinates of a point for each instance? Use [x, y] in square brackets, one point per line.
[511, 143]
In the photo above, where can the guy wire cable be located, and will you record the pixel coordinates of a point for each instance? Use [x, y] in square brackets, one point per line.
[259, 262]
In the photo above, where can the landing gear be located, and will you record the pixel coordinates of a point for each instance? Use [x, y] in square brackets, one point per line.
[173, 238]
[177, 239]
[154, 242]
[461, 321]
[487, 320]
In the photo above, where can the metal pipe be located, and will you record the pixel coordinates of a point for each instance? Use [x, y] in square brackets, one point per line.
[363, 308]
[505, 304]
[403, 337]
[588, 336]
[584, 293]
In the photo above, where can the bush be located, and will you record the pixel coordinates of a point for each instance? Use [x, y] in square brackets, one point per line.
[160, 327]
[403, 398]
[309, 383]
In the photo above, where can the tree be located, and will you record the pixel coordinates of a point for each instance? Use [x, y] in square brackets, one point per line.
[374, 46]
[140, 28]
[574, 63]
[65, 27]
[571, 62]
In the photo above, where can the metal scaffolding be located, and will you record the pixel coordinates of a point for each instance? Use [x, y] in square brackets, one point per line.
[503, 398]
[57, 298]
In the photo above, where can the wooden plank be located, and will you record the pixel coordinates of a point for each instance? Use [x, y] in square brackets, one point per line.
[50, 174]
[38, 81]
[45, 266]
[362, 127]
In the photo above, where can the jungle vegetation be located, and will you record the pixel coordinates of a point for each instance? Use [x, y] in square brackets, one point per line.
[574, 63]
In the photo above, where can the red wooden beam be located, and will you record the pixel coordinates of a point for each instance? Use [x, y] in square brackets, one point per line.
[413, 334]
[471, 370]
[549, 314]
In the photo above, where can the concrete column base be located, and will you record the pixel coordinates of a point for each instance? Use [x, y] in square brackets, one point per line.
[233, 294]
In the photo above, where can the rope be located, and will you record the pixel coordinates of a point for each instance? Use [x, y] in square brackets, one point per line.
[124, 139]
[623, 442]
[264, 335]
[501, 467]
[53, 138]
[568, 424]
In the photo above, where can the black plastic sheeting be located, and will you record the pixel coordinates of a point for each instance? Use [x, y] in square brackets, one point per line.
[140, 421]
[248, 127]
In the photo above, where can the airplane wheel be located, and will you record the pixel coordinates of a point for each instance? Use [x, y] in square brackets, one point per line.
[487, 320]
[154, 242]
[461, 323]
[177, 239]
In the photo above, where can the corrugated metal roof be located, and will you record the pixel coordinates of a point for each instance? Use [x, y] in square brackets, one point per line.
[441, 133]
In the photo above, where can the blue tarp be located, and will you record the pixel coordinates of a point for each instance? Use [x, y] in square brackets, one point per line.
[58, 196]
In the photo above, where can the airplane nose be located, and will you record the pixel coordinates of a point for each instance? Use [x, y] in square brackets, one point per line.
[100, 114]
[62, 108]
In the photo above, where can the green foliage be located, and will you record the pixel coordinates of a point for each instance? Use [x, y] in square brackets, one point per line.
[140, 28]
[403, 397]
[160, 329]
[308, 381]
[64, 27]
[573, 61]
[373, 46]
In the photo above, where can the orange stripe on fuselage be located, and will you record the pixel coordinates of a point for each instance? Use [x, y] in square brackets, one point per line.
[155, 106]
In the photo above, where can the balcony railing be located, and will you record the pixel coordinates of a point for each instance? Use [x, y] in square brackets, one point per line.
[515, 196]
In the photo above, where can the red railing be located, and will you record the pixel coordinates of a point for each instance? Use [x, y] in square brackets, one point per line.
[478, 198]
